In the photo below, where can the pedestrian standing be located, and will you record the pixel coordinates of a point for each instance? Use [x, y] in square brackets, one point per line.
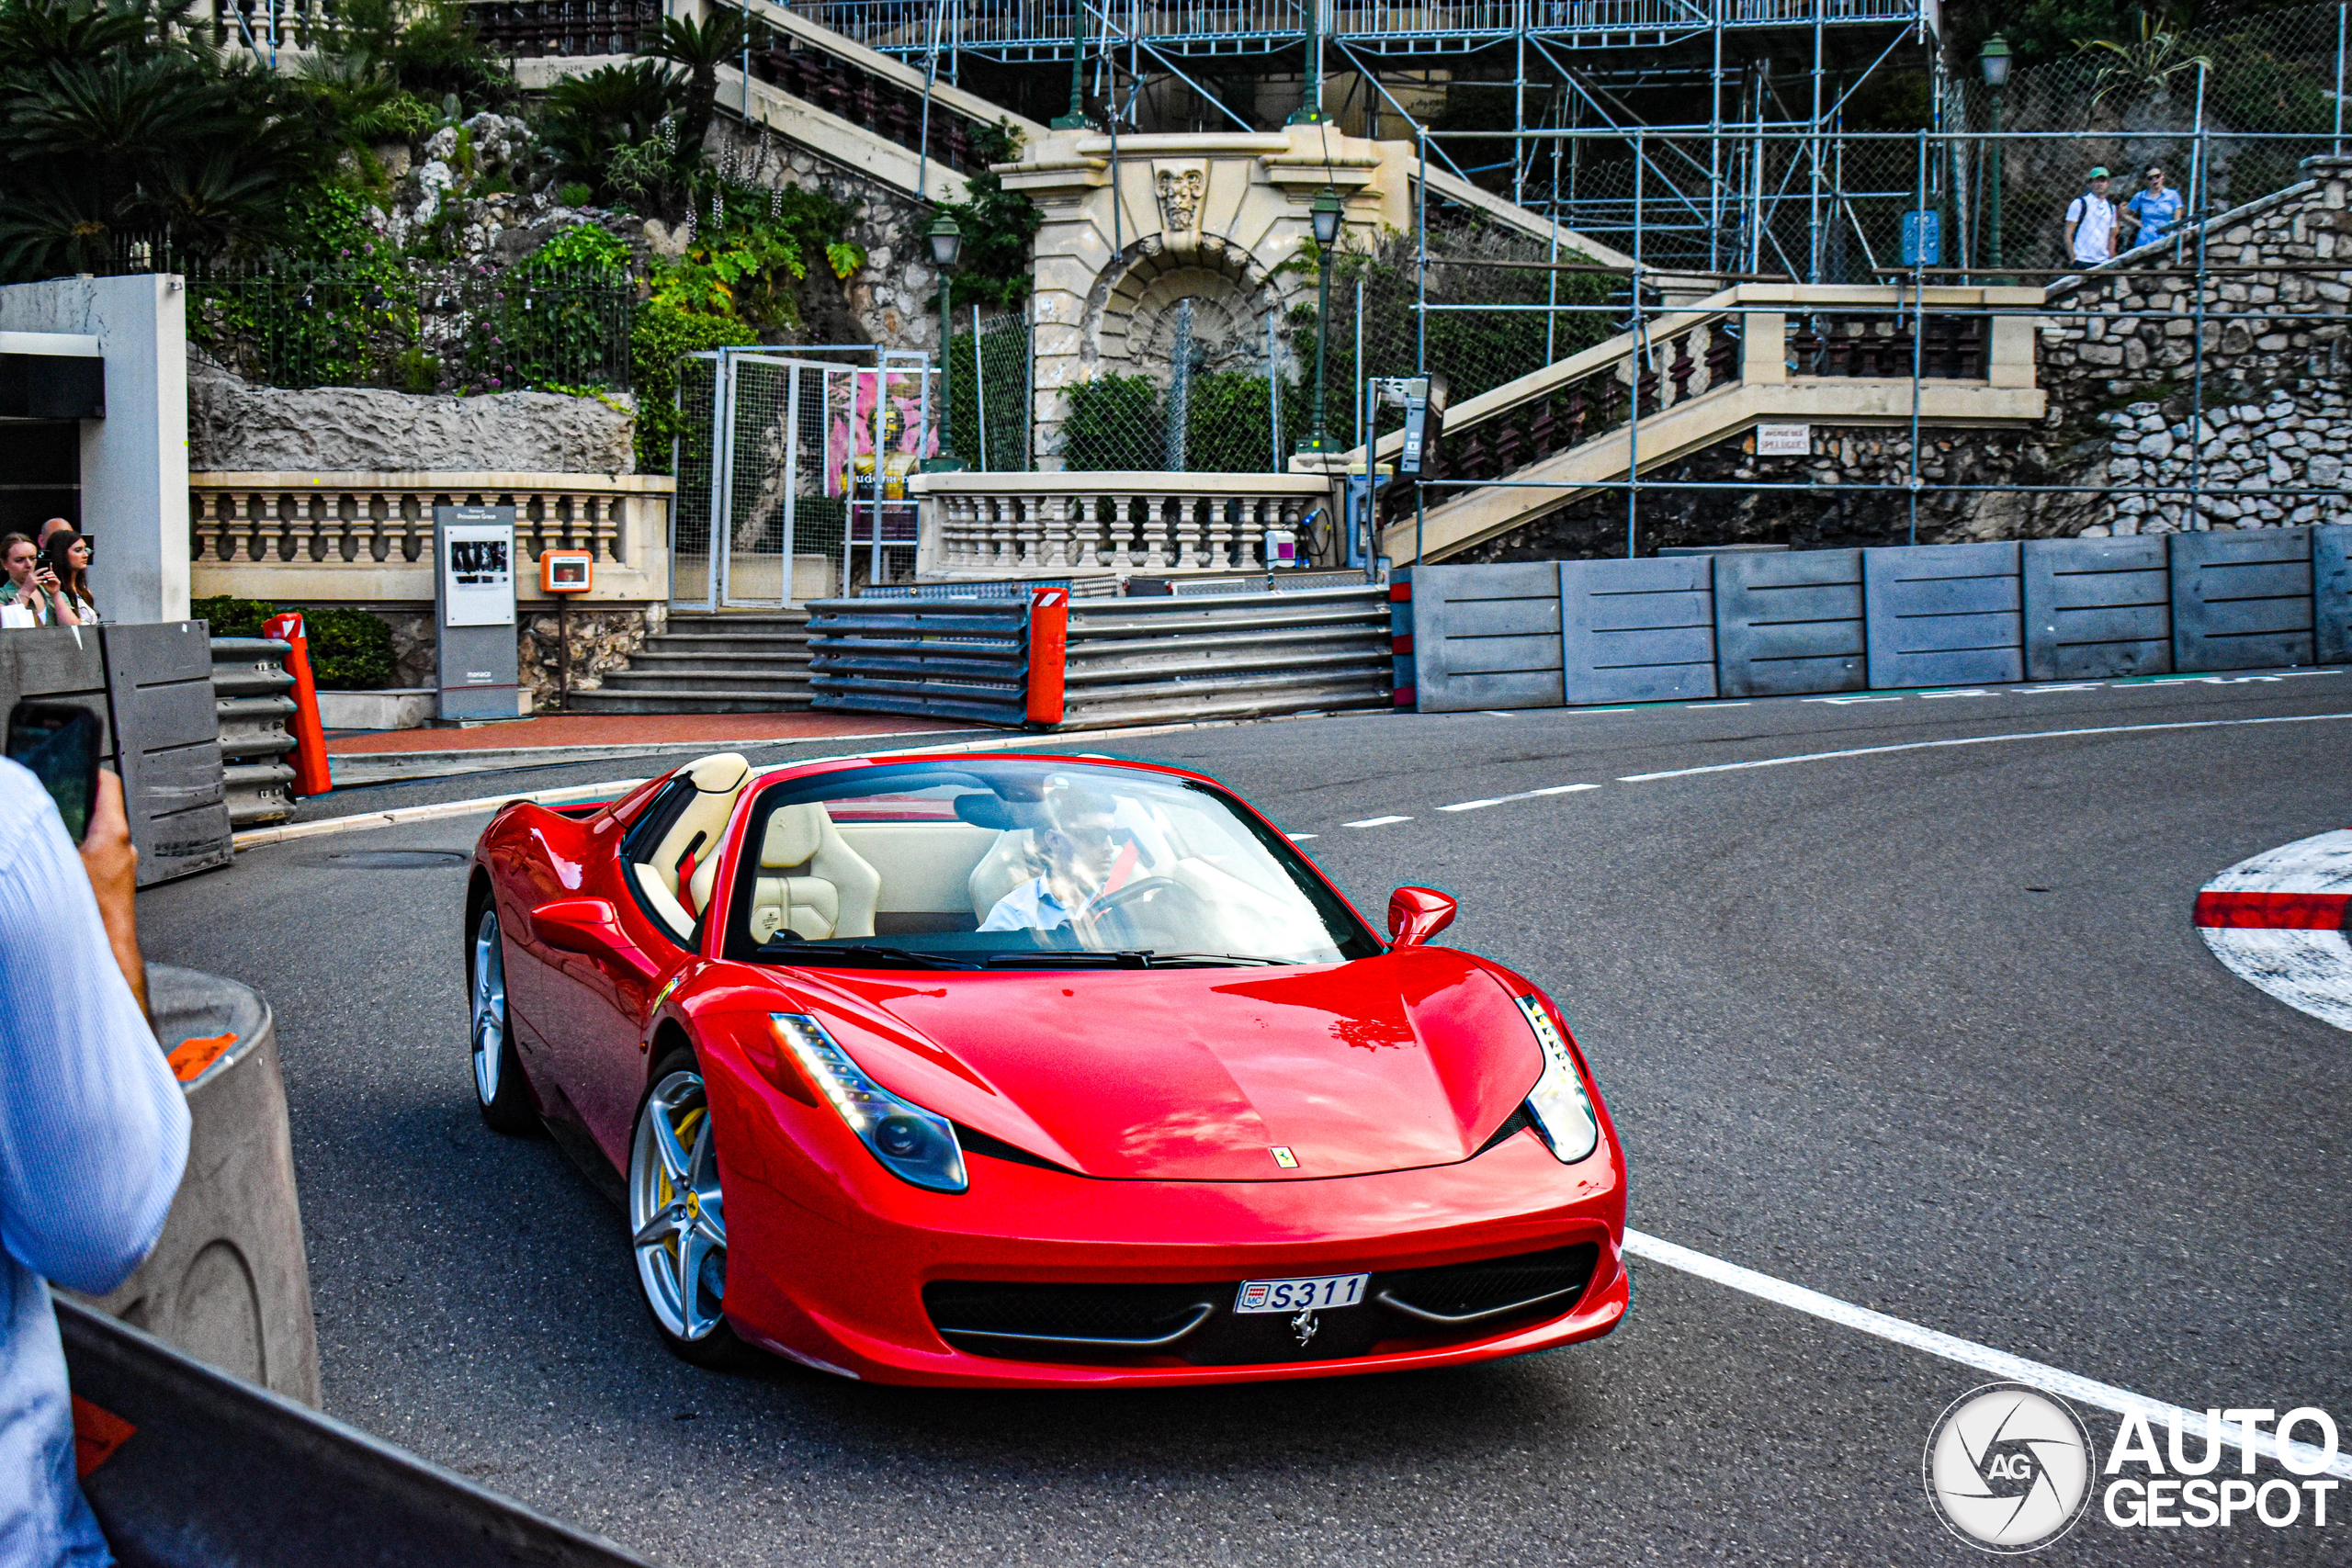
[2156, 210]
[32, 596]
[67, 556]
[93, 1136]
[2090, 223]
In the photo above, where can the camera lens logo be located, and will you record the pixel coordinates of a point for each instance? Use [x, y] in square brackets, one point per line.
[2009, 1468]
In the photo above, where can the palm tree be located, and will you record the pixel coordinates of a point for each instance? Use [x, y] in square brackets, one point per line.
[2142, 68]
[701, 48]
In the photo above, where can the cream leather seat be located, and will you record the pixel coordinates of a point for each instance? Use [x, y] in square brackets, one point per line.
[810, 880]
[1010, 860]
[691, 846]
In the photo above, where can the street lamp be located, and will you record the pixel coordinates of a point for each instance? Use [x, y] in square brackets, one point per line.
[1076, 120]
[1325, 216]
[1310, 104]
[946, 241]
[1993, 60]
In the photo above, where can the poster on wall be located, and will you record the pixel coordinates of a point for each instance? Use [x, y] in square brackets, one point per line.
[478, 572]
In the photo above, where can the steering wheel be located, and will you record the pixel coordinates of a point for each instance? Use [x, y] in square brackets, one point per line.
[1180, 908]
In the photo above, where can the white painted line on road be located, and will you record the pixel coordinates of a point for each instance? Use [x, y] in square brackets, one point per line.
[1375, 822]
[1980, 740]
[1522, 795]
[1951, 1348]
[1301, 838]
[2061, 686]
[1842, 701]
[1977, 692]
[2277, 920]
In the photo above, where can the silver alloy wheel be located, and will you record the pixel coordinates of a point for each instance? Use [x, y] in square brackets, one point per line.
[676, 1219]
[490, 1008]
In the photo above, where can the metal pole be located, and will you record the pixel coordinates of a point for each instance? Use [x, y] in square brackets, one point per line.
[1274, 401]
[1362, 425]
[2197, 176]
[980, 391]
[1422, 272]
[1714, 142]
[1640, 360]
[1992, 151]
[1919, 331]
[2196, 518]
[563, 652]
[1076, 120]
[946, 345]
[1322, 346]
[2340, 11]
[1813, 204]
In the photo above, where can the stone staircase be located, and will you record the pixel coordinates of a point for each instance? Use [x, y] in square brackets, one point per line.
[732, 661]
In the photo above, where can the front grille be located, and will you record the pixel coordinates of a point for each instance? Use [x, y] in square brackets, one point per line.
[1497, 1288]
[1195, 1323]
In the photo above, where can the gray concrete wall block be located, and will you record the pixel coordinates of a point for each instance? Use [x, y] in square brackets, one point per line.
[1637, 630]
[2242, 600]
[2096, 608]
[1486, 636]
[1943, 614]
[1789, 624]
[2332, 593]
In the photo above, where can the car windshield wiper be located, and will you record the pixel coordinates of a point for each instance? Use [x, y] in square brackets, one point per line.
[1213, 960]
[1072, 958]
[809, 954]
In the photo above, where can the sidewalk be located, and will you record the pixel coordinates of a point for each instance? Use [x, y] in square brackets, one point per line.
[382, 756]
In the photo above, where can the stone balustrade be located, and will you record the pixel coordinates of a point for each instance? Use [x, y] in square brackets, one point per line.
[1112, 523]
[367, 538]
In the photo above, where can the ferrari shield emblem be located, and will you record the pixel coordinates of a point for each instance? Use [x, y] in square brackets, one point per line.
[1284, 1157]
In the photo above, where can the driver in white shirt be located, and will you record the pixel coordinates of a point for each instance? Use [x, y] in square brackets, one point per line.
[1081, 861]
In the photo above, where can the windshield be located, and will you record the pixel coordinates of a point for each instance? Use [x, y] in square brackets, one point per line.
[1005, 865]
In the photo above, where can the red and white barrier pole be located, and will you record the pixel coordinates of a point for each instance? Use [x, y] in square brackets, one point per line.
[310, 775]
[1048, 652]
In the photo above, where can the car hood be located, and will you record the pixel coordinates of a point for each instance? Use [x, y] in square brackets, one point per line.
[1410, 1058]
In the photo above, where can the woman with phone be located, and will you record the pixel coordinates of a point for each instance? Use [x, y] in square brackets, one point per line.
[32, 596]
[67, 556]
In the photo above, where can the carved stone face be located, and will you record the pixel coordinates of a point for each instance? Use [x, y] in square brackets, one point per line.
[1179, 197]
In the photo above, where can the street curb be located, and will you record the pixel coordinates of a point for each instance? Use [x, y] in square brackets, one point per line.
[2280, 920]
[257, 837]
[354, 769]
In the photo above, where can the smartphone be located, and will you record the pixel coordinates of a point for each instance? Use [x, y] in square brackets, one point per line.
[60, 742]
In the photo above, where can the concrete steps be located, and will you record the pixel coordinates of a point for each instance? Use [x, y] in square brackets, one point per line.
[740, 661]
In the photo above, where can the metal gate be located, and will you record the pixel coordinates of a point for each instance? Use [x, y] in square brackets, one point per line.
[783, 464]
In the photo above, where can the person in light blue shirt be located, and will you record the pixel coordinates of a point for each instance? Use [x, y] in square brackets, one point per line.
[2154, 211]
[93, 1137]
[1080, 852]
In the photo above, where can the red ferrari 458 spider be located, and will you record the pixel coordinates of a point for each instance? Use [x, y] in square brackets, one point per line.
[1035, 1070]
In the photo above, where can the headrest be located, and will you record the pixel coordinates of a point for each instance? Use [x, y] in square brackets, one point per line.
[717, 774]
[793, 834]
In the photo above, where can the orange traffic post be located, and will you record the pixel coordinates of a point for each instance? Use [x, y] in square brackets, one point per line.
[311, 775]
[1048, 652]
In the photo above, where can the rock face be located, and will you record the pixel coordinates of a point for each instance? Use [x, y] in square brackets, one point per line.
[235, 426]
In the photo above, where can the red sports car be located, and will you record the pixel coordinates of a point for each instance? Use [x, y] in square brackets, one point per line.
[1035, 1070]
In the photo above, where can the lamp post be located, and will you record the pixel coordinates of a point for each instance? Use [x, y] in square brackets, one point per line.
[1076, 120]
[946, 240]
[1993, 60]
[1310, 103]
[1325, 216]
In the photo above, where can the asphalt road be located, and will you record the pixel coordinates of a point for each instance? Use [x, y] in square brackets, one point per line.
[1924, 1029]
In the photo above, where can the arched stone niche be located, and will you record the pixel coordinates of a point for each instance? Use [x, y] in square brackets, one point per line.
[1129, 327]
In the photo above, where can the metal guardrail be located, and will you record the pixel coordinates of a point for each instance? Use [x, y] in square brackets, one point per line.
[940, 657]
[196, 1469]
[253, 695]
[1225, 656]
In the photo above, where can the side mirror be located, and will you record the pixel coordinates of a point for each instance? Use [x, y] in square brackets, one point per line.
[579, 925]
[1417, 914]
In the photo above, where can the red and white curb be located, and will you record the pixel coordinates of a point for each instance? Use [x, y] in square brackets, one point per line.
[2280, 920]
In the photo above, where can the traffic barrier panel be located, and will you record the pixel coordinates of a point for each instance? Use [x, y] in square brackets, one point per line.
[2242, 600]
[1943, 614]
[1486, 636]
[1048, 654]
[311, 772]
[1229, 655]
[253, 696]
[1787, 623]
[1400, 641]
[2332, 593]
[188, 1467]
[1637, 631]
[963, 657]
[159, 685]
[2094, 608]
[228, 1281]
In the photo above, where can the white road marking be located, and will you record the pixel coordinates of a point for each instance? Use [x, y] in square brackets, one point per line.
[1841, 702]
[1375, 822]
[1972, 692]
[1498, 713]
[1979, 740]
[2061, 686]
[2308, 967]
[1739, 705]
[1522, 795]
[1951, 1348]
[1301, 838]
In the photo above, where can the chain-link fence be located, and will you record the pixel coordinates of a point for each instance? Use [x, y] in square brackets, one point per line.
[990, 389]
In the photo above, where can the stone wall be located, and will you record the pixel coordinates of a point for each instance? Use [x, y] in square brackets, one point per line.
[2123, 391]
[235, 426]
[602, 640]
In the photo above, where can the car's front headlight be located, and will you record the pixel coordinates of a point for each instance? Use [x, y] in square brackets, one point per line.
[914, 1145]
[1563, 1115]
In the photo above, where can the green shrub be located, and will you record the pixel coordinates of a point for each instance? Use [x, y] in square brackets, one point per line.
[1115, 422]
[350, 650]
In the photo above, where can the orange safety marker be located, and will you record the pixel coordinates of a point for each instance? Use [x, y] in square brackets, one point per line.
[1049, 653]
[190, 1057]
[310, 775]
